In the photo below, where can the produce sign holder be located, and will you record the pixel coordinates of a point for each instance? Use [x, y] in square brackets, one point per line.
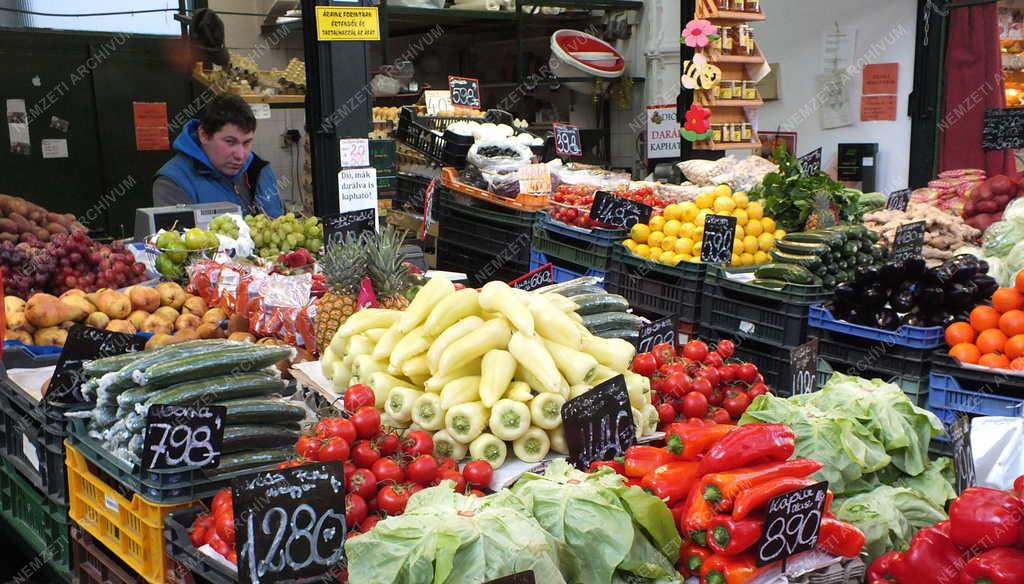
[178, 437]
[791, 524]
[338, 224]
[909, 240]
[898, 200]
[654, 289]
[810, 163]
[719, 234]
[567, 140]
[914, 337]
[803, 367]
[85, 343]
[660, 331]
[534, 279]
[618, 211]
[36, 519]
[32, 442]
[563, 271]
[178, 524]
[464, 91]
[1003, 129]
[597, 422]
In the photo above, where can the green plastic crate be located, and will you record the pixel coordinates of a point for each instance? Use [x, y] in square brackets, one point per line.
[579, 252]
[788, 294]
[460, 204]
[42, 525]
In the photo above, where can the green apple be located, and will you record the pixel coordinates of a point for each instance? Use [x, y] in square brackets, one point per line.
[195, 238]
[164, 239]
[176, 252]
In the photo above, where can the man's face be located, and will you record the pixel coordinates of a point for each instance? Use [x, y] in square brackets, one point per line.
[228, 148]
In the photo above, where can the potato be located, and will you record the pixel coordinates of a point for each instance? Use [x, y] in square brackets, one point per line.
[242, 337]
[167, 313]
[67, 324]
[194, 305]
[22, 336]
[156, 324]
[158, 340]
[238, 324]
[171, 294]
[97, 319]
[79, 301]
[142, 298]
[121, 326]
[137, 317]
[51, 336]
[187, 321]
[215, 315]
[209, 330]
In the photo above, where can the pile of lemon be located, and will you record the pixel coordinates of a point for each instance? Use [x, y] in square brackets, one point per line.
[676, 235]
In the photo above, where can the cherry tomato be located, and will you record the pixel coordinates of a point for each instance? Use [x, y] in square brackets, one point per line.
[307, 446]
[695, 405]
[422, 470]
[713, 360]
[645, 364]
[456, 476]
[478, 473]
[364, 454]
[388, 471]
[677, 385]
[711, 374]
[367, 422]
[389, 444]
[664, 353]
[736, 403]
[666, 413]
[695, 350]
[369, 523]
[658, 382]
[675, 367]
[746, 372]
[335, 449]
[447, 463]
[725, 348]
[355, 509]
[221, 500]
[721, 417]
[225, 529]
[357, 396]
[363, 483]
[717, 397]
[756, 390]
[727, 372]
[393, 498]
[219, 545]
[418, 443]
[701, 385]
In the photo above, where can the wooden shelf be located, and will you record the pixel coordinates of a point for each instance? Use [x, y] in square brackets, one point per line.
[745, 59]
[712, 145]
[715, 102]
[282, 99]
[708, 9]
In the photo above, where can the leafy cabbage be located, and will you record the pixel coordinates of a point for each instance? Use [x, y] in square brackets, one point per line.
[1015, 259]
[998, 269]
[1015, 211]
[1001, 236]
[888, 516]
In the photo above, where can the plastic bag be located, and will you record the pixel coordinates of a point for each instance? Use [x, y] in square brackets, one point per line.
[243, 246]
[998, 447]
[1001, 236]
[1015, 259]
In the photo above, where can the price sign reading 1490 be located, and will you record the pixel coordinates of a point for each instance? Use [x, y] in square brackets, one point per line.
[567, 140]
[791, 523]
[613, 210]
[183, 436]
[465, 91]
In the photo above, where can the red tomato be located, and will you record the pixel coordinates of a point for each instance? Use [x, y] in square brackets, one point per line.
[364, 454]
[198, 536]
[219, 545]
[348, 469]
[369, 523]
[736, 403]
[664, 353]
[336, 428]
[232, 557]
[477, 493]
[447, 463]
[677, 385]
[357, 396]
[702, 385]
[717, 397]
[393, 498]
[307, 446]
[725, 348]
[645, 364]
[756, 390]
[335, 449]
[658, 382]
[388, 471]
[695, 350]
[759, 378]
[355, 509]
[422, 470]
[389, 444]
[674, 367]
[747, 372]
[666, 413]
[713, 360]
[695, 405]
[478, 473]
[418, 443]
[363, 483]
[727, 372]
[721, 417]
[711, 374]
[220, 500]
[367, 422]
[225, 529]
[456, 476]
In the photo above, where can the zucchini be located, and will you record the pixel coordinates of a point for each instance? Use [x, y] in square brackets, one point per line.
[829, 281]
[879, 251]
[809, 262]
[251, 410]
[242, 437]
[821, 270]
[250, 460]
[801, 248]
[624, 334]
[218, 388]
[609, 321]
[864, 259]
[832, 269]
[769, 283]
[603, 302]
[792, 273]
[850, 248]
[242, 358]
[872, 236]
[865, 246]
[844, 265]
[833, 240]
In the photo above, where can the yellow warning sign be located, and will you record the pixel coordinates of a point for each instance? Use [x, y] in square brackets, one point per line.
[347, 24]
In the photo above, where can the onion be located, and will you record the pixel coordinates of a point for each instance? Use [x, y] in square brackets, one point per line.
[982, 192]
[1001, 185]
[970, 209]
[988, 206]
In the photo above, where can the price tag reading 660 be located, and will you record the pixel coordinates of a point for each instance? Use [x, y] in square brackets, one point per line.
[292, 522]
[791, 523]
[183, 436]
[542, 276]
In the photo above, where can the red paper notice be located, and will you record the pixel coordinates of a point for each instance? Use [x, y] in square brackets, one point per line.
[878, 108]
[151, 126]
[881, 78]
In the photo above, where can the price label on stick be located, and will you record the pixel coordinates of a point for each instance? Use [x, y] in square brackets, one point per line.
[428, 208]
[465, 91]
[617, 211]
[567, 140]
[656, 333]
[542, 276]
[908, 241]
[291, 522]
[791, 523]
[810, 163]
[183, 436]
[354, 152]
[898, 200]
[803, 363]
[599, 424]
[963, 455]
[85, 343]
[719, 235]
[338, 224]
[527, 577]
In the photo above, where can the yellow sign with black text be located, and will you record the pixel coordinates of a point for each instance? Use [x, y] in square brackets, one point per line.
[347, 24]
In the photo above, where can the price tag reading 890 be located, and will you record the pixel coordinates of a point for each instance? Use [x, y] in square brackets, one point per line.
[183, 436]
[791, 523]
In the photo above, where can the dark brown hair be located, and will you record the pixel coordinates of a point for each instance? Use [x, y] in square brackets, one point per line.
[227, 109]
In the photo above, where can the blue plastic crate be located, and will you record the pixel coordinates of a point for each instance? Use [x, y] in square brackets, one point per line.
[597, 235]
[905, 336]
[947, 417]
[945, 392]
[562, 271]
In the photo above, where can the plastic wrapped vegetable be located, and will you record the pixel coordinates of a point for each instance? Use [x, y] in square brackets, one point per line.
[1000, 238]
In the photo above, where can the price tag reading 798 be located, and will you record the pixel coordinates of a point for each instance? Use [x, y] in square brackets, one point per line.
[183, 436]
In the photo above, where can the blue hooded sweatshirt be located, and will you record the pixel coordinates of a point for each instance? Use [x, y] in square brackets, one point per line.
[193, 172]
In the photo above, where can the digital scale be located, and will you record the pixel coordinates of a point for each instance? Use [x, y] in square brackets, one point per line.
[149, 220]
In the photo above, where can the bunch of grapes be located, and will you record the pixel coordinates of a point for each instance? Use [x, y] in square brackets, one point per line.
[224, 225]
[26, 267]
[286, 233]
[83, 263]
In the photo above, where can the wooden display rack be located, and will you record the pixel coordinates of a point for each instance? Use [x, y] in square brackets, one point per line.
[291, 99]
[708, 9]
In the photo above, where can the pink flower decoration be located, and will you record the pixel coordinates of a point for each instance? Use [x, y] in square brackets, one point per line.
[696, 33]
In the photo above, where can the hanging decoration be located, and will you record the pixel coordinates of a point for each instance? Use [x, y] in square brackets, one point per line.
[699, 74]
[699, 33]
[697, 126]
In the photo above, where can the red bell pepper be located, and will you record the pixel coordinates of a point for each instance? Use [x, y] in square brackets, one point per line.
[982, 518]
[996, 566]
[719, 569]
[757, 496]
[1018, 486]
[840, 538]
[932, 557]
[749, 445]
[692, 558]
[697, 517]
[880, 570]
[697, 436]
[671, 482]
[640, 460]
[722, 488]
[612, 464]
[729, 537]
[677, 511]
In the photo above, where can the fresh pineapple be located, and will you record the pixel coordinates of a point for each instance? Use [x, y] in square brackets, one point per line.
[344, 264]
[823, 213]
[386, 267]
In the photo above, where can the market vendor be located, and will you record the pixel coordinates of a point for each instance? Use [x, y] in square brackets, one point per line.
[215, 163]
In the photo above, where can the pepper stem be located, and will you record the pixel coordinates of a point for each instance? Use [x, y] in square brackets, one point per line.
[694, 563]
[700, 537]
[720, 535]
[715, 577]
[713, 495]
[674, 444]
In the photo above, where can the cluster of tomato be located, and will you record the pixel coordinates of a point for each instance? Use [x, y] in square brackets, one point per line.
[643, 195]
[698, 383]
[217, 528]
[570, 204]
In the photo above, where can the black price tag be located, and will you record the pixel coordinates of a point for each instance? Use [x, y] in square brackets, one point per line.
[617, 211]
[465, 91]
[526, 577]
[1003, 129]
[183, 436]
[338, 224]
[898, 200]
[567, 140]
[292, 522]
[656, 333]
[599, 424]
[810, 163]
[542, 276]
[85, 343]
[719, 236]
[803, 363]
[791, 523]
[908, 241]
[963, 455]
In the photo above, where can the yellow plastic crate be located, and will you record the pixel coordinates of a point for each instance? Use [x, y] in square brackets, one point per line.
[131, 528]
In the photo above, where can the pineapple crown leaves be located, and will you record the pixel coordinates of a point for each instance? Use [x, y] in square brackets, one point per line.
[385, 261]
[345, 263]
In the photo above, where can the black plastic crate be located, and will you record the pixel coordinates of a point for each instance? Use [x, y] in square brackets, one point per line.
[92, 563]
[995, 383]
[886, 358]
[33, 443]
[487, 238]
[422, 133]
[746, 316]
[771, 360]
[654, 289]
[916, 387]
[479, 268]
[409, 197]
[180, 548]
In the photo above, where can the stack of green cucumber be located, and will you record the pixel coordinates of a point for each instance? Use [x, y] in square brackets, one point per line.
[824, 257]
[603, 314]
[261, 425]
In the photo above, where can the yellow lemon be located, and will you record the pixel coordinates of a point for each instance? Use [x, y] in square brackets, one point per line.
[755, 210]
[639, 232]
[741, 217]
[672, 227]
[673, 211]
[684, 245]
[688, 210]
[750, 244]
[769, 224]
[722, 191]
[740, 232]
[686, 230]
[741, 199]
[630, 244]
[666, 257]
[698, 233]
[642, 250]
[746, 259]
[735, 259]
[695, 250]
[724, 205]
[679, 257]
[655, 253]
[700, 217]
[779, 234]
[737, 245]
[754, 228]
[654, 239]
[766, 242]
[668, 243]
[704, 200]
[656, 223]
[694, 260]
[761, 257]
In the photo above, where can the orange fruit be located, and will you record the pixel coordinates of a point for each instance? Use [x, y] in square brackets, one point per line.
[965, 353]
[1019, 282]
[991, 341]
[994, 361]
[1014, 347]
[1007, 299]
[1017, 363]
[984, 318]
[959, 332]
[1012, 322]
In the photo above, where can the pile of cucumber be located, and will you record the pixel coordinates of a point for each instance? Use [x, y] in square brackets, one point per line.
[603, 314]
[261, 425]
[824, 257]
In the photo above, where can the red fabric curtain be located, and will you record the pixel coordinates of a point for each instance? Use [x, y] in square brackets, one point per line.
[974, 83]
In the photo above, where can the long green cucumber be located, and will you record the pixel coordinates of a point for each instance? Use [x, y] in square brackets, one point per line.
[240, 359]
[109, 364]
[600, 302]
[137, 395]
[122, 378]
[609, 321]
[238, 438]
[251, 460]
[252, 410]
[223, 387]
